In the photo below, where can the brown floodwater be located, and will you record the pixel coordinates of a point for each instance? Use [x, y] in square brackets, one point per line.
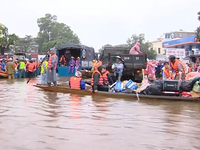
[31, 119]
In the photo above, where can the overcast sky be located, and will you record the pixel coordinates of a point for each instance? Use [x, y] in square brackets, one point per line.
[100, 22]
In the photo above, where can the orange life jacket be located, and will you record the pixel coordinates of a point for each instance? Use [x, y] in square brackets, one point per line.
[166, 72]
[15, 65]
[7, 57]
[62, 58]
[50, 61]
[31, 67]
[99, 63]
[175, 66]
[75, 83]
[102, 79]
[189, 69]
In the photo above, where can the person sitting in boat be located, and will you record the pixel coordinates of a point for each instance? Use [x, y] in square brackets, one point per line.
[118, 68]
[166, 73]
[62, 61]
[176, 68]
[101, 79]
[135, 49]
[77, 82]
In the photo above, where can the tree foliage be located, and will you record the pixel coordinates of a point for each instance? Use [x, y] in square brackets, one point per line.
[145, 47]
[198, 29]
[26, 44]
[50, 31]
[7, 39]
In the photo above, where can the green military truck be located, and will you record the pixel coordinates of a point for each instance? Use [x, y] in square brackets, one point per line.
[133, 63]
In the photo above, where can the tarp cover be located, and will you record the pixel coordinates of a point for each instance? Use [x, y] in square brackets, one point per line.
[90, 52]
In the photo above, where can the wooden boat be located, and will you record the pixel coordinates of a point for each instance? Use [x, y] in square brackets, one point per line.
[65, 89]
[3, 74]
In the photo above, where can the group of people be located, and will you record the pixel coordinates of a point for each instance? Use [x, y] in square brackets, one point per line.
[48, 68]
[101, 79]
[73, 64]
[173, 69]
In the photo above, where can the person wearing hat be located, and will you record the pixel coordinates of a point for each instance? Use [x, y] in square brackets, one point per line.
[72, 64]
[10, 69]
[76, 82]
[51, 68]
[118, 68]
[177, 70]
[78, 64]
[101, 79]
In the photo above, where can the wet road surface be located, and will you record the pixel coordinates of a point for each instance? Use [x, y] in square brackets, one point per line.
[31, 119]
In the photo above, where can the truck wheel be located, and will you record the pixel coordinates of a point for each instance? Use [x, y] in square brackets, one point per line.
[138, 77]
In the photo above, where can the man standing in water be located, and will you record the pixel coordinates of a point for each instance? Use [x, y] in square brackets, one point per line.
[51, 68]
[10, 69]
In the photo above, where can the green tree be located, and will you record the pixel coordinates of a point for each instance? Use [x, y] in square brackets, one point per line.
[50, 31]
[145, 47]
[7, 39]
[198, 29]
[26, 44]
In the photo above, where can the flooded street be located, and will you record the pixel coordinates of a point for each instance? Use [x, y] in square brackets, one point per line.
[32, 119]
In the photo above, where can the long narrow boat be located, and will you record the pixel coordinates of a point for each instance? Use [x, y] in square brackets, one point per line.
[3, 74]
[65, 89]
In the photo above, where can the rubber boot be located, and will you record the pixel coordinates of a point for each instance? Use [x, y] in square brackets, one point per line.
[55, 83]
[49, 84]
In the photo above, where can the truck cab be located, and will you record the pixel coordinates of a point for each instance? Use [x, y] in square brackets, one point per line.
[133, 63]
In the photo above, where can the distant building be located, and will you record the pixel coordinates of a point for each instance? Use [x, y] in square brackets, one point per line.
[157, 46]
[176, 35]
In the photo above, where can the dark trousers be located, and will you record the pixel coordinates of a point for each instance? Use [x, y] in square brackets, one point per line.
[30, 74]
[103, 88]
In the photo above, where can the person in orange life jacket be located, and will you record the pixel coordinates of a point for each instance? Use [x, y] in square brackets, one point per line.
[177, 70]
[99, 62]
[62, 61]
[78, 64]
[166, 73]
[101, 79]
[30, 68]
[77, 82]
[51, 68]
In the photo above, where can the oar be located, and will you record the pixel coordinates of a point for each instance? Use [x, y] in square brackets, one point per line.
[41, 63]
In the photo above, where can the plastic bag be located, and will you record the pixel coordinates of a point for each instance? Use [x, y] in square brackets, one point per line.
[152, 90]
[186, 85]
[119, 86]
[196, 87]
[131, 85]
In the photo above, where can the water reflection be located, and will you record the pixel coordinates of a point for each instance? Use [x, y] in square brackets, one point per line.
[75, 106]
[70, 121]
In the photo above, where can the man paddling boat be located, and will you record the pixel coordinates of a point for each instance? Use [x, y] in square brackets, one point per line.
[51, 68]
[101, 79]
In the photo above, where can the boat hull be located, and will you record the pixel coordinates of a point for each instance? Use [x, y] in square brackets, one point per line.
[3, 74]
[65, 89]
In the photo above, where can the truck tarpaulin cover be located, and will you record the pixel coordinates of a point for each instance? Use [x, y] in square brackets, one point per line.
[90, 52]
